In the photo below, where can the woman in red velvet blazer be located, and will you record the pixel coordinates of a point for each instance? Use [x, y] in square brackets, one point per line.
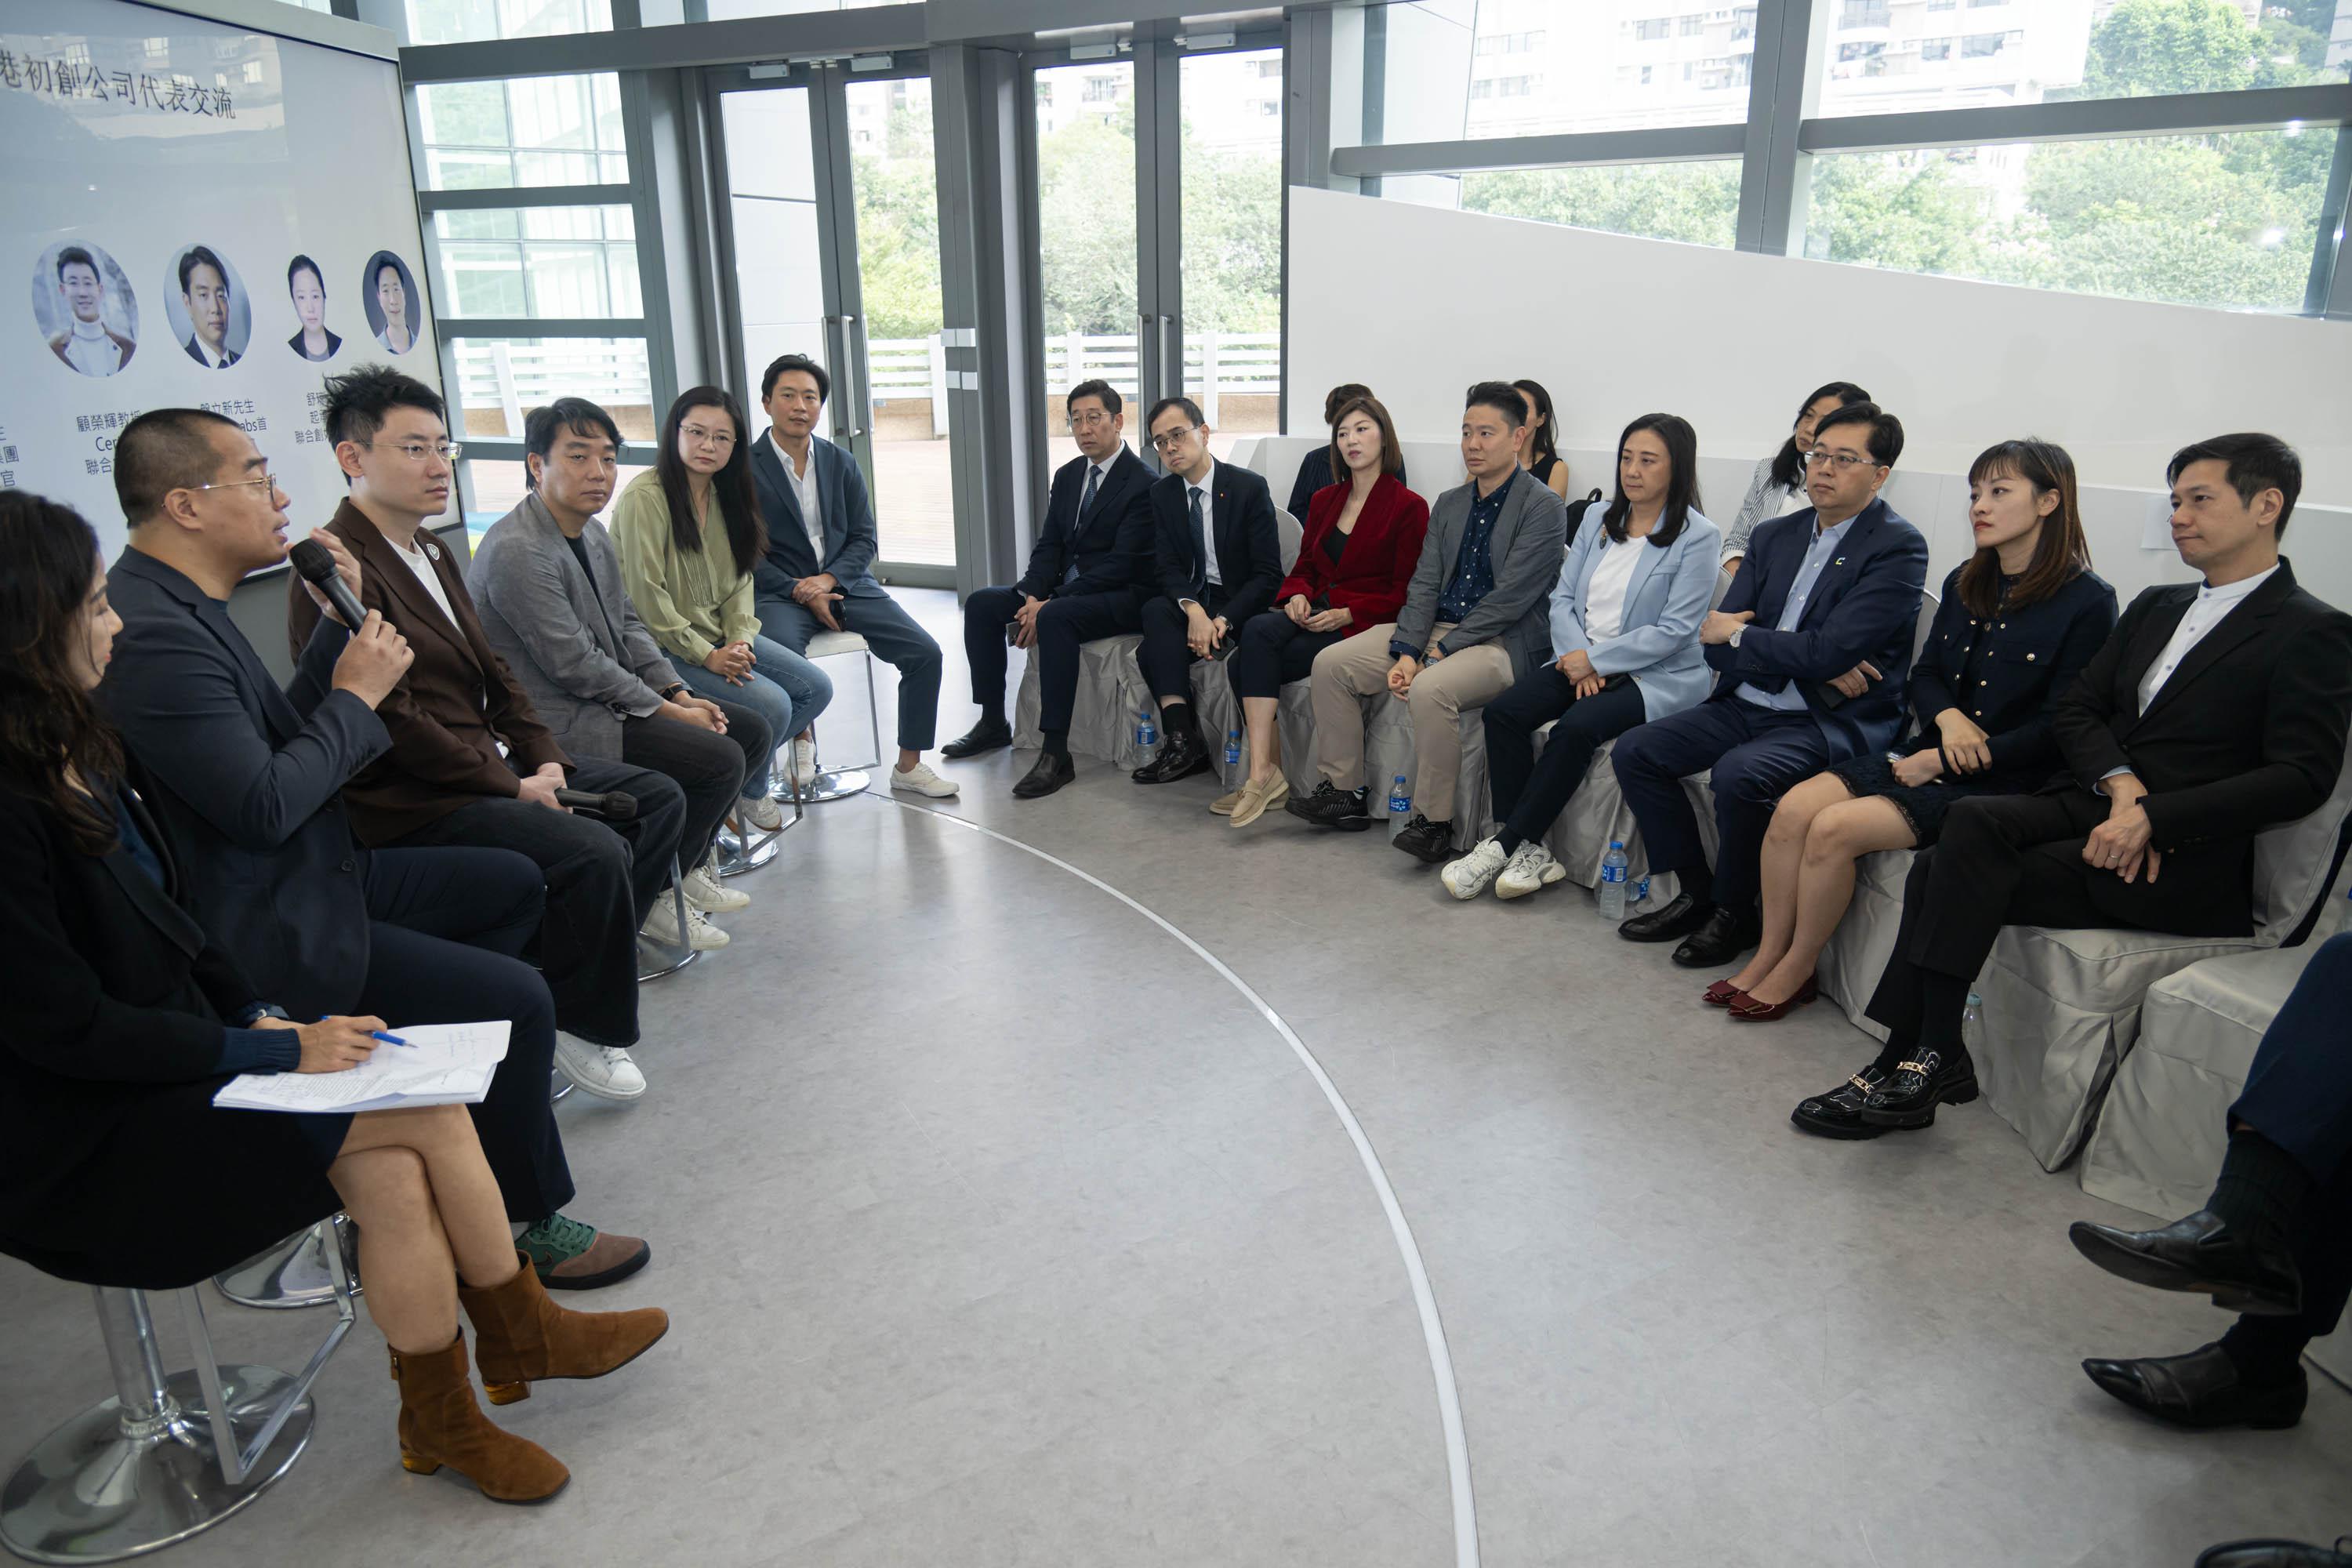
[1362, 541]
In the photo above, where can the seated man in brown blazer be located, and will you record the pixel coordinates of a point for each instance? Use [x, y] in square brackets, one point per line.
[470, 762]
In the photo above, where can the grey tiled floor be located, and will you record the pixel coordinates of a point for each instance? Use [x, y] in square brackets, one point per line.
[998, 1230]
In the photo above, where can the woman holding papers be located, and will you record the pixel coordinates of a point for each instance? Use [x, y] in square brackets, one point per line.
[123, 1022]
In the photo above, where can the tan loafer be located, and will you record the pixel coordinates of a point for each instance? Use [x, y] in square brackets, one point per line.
[1258, 799]
[1224, 805]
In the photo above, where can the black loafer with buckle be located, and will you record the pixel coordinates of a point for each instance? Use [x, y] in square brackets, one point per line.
[1907, 1099]
[1838, 1113]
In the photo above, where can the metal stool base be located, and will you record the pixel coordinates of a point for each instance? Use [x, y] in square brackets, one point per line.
[101, 1489]
[294, 1273]
[836, 784]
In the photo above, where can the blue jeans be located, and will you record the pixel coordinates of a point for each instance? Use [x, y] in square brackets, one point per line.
[784, 689]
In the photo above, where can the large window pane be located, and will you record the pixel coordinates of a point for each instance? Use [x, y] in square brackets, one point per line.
[1696, 202]
[1232, 236]
[1450, 68]
[500, 380]
[2227, 220]
[532, 131]
[537, 261]
[772, 181]
[467, 21]
[1888, 56]
[1086, 208]
[896, 181]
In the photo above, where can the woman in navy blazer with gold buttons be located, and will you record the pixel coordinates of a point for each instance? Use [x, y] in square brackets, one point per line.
[2018, 621]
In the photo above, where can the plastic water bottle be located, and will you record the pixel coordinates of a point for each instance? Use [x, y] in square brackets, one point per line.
[1146, 732]
[1972, 1024]
[1399, 805]
[1232, 748]
[1614, 869]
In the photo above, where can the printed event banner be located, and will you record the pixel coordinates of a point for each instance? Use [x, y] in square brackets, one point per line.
[200, 216]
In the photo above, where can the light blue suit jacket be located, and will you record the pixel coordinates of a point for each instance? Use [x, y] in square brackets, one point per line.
[1667, 598]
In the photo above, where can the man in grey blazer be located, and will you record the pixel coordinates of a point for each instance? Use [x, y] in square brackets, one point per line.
[819, 571]
[1473, 622]
[547, 586]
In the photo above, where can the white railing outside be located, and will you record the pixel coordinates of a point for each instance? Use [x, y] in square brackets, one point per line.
[1214, 362]
[520, 377]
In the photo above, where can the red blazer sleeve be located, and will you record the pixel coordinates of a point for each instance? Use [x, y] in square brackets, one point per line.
[1311, 573]
[1376, 597]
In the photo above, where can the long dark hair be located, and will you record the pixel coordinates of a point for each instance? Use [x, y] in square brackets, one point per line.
[1682, 480]
[2062, 553]
[730, 487]
[48, 724]
[1542, 443]
[1788, 463]
[1391, 453]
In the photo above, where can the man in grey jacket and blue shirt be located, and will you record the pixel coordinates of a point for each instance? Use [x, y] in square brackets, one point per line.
[1473, 622]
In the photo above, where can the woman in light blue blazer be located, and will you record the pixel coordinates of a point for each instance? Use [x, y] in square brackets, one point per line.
[1624, 631]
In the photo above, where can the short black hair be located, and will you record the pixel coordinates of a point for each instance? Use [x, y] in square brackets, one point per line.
[796, 362]
[1499, 395]
[540, 427]
[1097, 388]
[201, 255]
[304, 263]
[1191, 411]
[2256, 462]
[1885, 442]
[74, 256]
[358, 400]
[163, 450]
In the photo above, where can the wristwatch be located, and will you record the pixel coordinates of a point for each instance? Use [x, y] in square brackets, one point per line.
[674, 690]
[1733, 640]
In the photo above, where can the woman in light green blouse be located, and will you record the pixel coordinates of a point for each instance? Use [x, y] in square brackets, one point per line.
[690, 536]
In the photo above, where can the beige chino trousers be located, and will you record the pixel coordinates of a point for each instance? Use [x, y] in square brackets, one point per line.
[1347, 672]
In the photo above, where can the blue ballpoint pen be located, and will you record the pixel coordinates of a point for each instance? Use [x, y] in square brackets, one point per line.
[387, 1039]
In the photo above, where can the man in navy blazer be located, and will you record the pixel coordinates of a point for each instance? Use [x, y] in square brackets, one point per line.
[1219, 558]
[1088, 575]
[818, 575]
[246, 776]
[1811, 650]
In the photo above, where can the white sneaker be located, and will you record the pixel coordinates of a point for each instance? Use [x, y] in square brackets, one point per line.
[1470, 876]
[608, 1072]
[803, 762]
[661, 928]
[759, 812]
[921, 780]
[1532, 867]
[705, 891]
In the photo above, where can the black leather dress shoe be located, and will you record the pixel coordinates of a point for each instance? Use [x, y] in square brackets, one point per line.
[1907, 1099]
[981, 737]
[1838, 1113]
[2277, 1554]
[1425, 840]
[1050, 774]
[1678, 918]
[2200, 1390]
[1183, 757]
[2202, 1257]
[1723, 938]
[1331, 806]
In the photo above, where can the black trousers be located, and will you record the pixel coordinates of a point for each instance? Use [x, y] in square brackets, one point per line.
[447, 927]
[1063, 622]
[1166, 656]
[2008, 859]
[601, 882]
[708, 769]
[1530, 792]
[1753, 754]
[1275, 650]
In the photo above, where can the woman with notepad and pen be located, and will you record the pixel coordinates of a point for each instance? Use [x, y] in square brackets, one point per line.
[123, 1022]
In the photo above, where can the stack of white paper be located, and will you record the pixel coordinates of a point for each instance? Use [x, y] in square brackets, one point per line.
[443, 1064]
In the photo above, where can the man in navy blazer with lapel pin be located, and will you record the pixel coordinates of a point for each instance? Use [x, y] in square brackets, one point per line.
[819, 571]
[1811, 649]
[1088, 575]
[1218, 556]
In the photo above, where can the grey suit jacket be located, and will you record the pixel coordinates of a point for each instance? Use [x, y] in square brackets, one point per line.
[578, 651]
[1529, 539]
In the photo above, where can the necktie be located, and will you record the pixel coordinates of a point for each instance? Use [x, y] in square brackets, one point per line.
[1087, 502]
[1200, 548]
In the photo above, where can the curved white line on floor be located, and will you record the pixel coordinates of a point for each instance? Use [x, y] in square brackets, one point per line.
[1432, 1332]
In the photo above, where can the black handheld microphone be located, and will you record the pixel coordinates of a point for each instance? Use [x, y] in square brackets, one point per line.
[318, 569]
[613, 807]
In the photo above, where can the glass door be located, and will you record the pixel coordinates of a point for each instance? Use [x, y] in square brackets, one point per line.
[1231, 235]
[1085, 229]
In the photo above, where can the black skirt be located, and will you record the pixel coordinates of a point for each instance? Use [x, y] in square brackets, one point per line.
[1923, 806]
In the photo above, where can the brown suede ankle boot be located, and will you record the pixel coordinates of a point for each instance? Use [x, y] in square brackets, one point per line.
[520, 1336]
[441, 1424]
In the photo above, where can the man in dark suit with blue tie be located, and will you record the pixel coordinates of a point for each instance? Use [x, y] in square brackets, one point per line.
[1218, 556]
[1088, 575]
[1811, 650]
[818, 575]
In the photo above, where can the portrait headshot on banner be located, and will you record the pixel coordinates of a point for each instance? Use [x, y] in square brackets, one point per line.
[211, 314]
[84, 307]
[394, 303]
[306, 286]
